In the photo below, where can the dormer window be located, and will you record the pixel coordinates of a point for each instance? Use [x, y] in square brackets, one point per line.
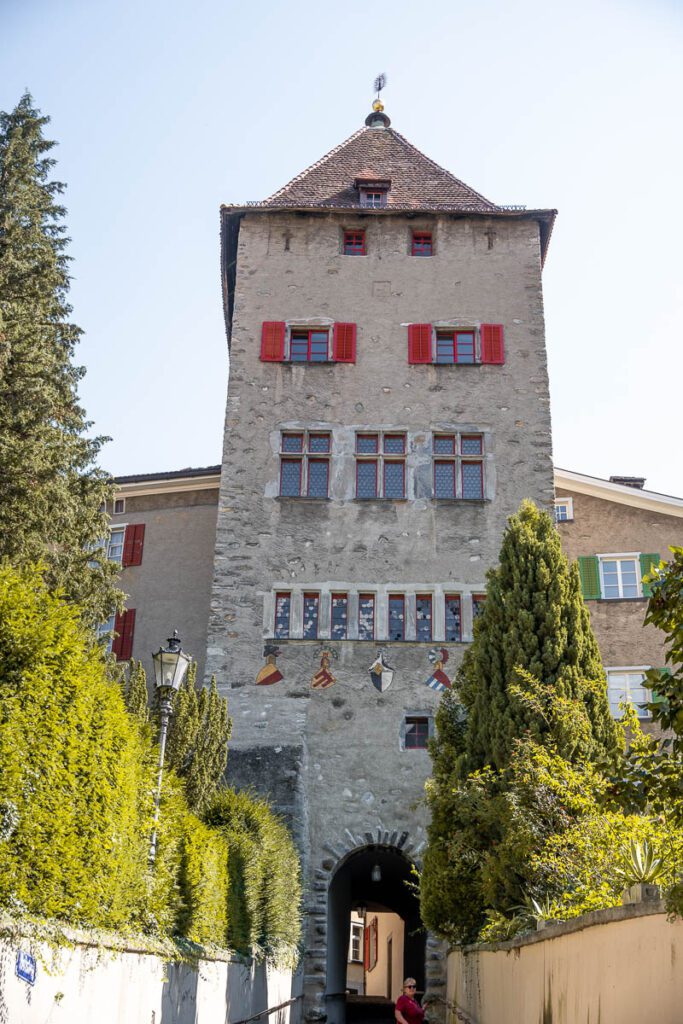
[372, 199]
[372, 193]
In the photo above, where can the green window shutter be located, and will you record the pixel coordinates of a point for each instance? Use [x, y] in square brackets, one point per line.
[589, 571]
[646, 564]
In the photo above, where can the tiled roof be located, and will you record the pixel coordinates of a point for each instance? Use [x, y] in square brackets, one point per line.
[379, 153]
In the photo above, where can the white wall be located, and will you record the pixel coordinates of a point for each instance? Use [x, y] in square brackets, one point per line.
[96, 985]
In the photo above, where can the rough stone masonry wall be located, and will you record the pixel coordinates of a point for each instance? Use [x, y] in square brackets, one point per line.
[341, 763]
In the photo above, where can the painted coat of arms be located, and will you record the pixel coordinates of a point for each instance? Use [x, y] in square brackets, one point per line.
[270, 673]
[381, 673]
[438, 680]
[323, 677]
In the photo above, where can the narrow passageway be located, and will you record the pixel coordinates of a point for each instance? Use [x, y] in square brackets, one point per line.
[374, 936]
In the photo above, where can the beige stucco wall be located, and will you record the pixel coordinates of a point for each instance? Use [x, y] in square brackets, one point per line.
[599, 527]
[389, 926]
[171, 589]
[624, 971]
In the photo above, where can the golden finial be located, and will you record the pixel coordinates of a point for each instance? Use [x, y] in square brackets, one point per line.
[378, 119]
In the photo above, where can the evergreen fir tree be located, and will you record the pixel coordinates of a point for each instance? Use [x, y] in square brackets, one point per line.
[136, 693]
[51, 492]
[198, 734]
[534, 619]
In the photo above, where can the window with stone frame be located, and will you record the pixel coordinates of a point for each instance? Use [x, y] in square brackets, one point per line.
[381, 465]
[309, 345]
[421, 243]
[397, 617]
[456, 346]
[423, 617]
[478, 602]
[305, 464]
[366, 616]
[453, 617]
[339, 617]
[283, 608]
[457, 472]
[416, 735]
[311, 616]
[353, 243]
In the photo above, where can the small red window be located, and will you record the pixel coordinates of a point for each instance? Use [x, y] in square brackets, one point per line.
[354, 243]
[422, 243]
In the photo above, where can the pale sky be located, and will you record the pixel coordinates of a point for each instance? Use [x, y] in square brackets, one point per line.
[164, 109]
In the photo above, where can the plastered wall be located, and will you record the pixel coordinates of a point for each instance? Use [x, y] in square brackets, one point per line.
[617, 966]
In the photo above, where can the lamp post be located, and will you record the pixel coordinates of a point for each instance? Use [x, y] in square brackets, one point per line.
[170, 665]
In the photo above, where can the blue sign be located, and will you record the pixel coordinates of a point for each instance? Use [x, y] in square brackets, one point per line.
[26, 967]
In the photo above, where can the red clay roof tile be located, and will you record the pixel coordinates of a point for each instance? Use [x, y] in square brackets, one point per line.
[416, 181]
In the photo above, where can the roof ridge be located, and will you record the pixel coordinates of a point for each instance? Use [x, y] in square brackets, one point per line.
[444, 170]
[317, 163]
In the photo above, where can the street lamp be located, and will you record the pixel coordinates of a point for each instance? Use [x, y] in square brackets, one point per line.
[170, 665]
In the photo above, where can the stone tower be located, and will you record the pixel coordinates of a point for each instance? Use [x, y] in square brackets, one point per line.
[387, 410]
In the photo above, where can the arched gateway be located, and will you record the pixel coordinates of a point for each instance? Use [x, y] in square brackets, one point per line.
[370, 935]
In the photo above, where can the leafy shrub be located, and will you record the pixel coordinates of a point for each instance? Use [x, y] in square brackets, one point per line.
[265, 890]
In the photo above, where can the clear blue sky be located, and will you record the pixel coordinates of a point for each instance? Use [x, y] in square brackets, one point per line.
[163, 110]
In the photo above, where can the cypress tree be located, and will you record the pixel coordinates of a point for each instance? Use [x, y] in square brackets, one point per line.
[534, 619]
[136, 693]
[532, 681]
[51, 492]
[198, 734]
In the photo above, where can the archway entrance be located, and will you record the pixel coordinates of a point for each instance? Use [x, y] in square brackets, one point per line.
[374, 935]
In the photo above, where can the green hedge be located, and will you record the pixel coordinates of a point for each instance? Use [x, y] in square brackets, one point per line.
[75, 798]
[264, 896]
[77, 777]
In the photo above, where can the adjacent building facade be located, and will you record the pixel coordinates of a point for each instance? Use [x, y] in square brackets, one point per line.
[617, 530]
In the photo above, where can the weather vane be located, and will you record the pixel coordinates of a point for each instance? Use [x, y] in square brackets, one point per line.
[379, 84]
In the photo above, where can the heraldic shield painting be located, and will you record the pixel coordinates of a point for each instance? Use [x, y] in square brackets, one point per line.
[381, 673]
[323, 677]
[270, 673]
[438, 680]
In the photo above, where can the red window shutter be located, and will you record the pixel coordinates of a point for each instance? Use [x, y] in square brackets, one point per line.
[344, 343]
[118, 630]
[132, 545]
[126, 645]
[420, 343]
[273, 341]
[492, 345]
[366, 948]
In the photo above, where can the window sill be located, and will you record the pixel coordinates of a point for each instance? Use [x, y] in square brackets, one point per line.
[461, 501]
[383, 501]
[348, 640]
[618, 600]
[300, 497]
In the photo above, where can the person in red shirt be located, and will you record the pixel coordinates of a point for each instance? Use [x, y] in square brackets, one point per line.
[408, 1011]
